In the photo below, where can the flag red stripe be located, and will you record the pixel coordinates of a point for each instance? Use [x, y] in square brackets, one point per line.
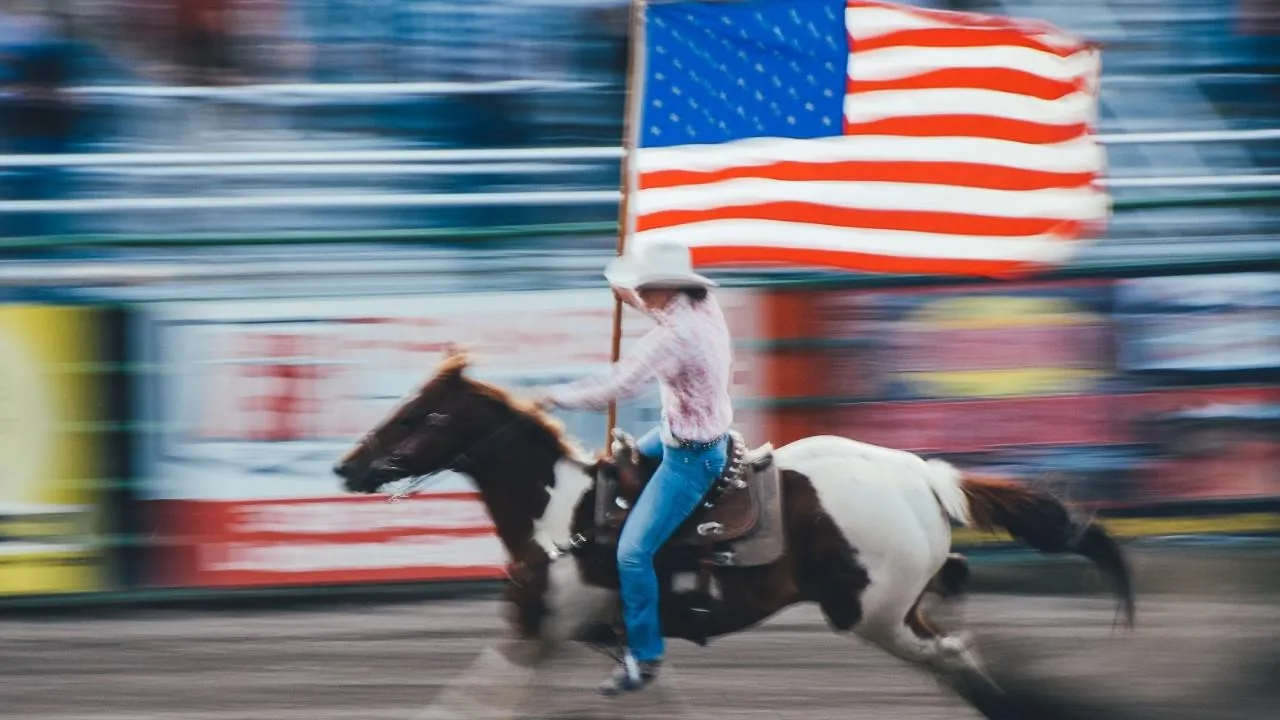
[942, 223]
[957, 37]
[862, 262]
[960, 174]
[996, 79]
[984, 126]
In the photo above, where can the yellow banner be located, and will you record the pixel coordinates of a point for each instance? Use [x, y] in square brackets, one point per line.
[51, 460]
[1012, 382]
[990, 312]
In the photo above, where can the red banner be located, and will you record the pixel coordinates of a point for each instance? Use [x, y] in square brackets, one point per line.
[325, 541]
[976, 425]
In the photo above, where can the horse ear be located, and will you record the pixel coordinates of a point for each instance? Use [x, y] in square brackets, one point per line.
[455, 361]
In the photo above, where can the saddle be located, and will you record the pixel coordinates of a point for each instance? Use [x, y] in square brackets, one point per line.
[738, 523]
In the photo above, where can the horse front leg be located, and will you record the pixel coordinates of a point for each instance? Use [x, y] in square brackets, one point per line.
[499, 683]
[495, 686]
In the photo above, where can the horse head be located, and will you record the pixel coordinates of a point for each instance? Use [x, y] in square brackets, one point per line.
[420, 435]
[456, 423]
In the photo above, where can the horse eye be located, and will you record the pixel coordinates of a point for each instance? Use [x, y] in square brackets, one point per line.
[437, 419]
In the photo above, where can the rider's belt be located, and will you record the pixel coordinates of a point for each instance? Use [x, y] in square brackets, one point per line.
[695, 444]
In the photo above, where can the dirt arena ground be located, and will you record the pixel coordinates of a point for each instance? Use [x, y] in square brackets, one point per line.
[1057, 657]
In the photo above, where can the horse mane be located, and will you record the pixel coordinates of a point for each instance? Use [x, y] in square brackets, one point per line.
[458, 362]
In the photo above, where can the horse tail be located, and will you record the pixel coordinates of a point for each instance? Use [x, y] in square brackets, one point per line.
[1033, 517]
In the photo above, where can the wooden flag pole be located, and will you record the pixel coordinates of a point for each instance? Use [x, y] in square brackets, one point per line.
[635, 50]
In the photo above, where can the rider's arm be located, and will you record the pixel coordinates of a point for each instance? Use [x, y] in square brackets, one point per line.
[657, 354]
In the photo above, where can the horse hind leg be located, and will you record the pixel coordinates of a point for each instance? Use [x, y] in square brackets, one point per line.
[952, 656]
[952, 580]
[912, 636]
[943, 600]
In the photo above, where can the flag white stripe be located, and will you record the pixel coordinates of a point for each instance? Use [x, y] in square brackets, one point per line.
[1082, 155]
[1073, 204]
[863, 23]
[894, 63]
[868, 107]
[802, 236]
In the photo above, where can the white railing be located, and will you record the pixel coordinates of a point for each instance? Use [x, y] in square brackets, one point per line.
[506, 161]
[501, 155]
[480, 199]
[277, 91]
[314, 157]
[369, 200]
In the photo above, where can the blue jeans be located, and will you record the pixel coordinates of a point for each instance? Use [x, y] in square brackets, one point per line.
[681, 481]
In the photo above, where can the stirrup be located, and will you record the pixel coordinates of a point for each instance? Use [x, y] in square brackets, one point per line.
[630, 676]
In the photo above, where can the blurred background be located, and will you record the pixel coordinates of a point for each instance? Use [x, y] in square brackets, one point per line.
[234, 232]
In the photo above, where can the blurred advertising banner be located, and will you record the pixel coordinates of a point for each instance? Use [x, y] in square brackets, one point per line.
[253, 402]
[1030, 360]
[1025, 340]
[1209, 442]
[1051, 381]
[1205, 351]
[54, 463]
[1200, 323]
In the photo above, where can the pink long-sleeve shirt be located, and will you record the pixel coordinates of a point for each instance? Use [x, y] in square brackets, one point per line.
[690, 353]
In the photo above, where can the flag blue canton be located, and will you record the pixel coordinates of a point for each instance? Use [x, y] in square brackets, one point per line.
[719, 71]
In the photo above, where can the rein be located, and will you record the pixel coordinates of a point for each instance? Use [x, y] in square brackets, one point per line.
[519, 571]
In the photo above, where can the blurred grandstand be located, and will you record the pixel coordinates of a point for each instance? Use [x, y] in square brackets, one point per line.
[260, 116]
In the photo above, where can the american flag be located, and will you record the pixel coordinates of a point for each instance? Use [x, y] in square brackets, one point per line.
[865, 136]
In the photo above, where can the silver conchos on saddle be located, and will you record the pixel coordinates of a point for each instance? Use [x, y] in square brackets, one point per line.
[731, 479]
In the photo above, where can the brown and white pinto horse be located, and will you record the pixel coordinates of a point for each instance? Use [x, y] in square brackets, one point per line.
[867, 529]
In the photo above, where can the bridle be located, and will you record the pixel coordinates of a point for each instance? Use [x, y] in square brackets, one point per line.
[518, 571]
[459, 463]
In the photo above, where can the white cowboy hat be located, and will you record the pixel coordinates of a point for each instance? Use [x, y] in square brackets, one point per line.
[660, 263]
